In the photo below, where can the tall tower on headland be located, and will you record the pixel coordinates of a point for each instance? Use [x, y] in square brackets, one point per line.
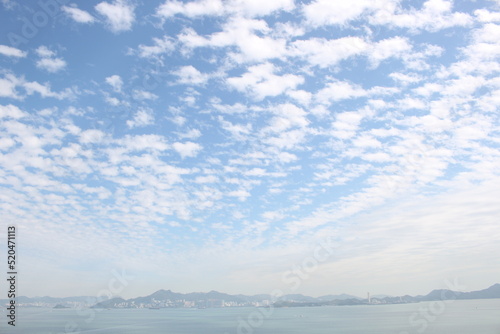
[369, 300]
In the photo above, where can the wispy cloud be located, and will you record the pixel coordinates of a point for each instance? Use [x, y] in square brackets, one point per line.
[78, 15]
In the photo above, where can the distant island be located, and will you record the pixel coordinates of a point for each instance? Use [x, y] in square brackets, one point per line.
[214, 299]
[61, 306]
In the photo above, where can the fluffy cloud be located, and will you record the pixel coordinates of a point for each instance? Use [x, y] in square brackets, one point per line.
[139, 94]
[119, 15]
[323, 53]
[260, 81]
[190, 75]
[143, 117]
[116, 82]
[11, 111]
[187, 149]
[51, 65]
[434, 15]
[10, 51]
[48, 60]
[161, 45]
[9, 84]
[388, 48]
[245, 35]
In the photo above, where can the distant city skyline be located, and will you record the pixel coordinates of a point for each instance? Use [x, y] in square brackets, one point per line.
[308, 146]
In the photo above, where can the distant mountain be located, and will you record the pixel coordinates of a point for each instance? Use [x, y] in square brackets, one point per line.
[298, 298]
[443, 294]
[110, 303]
[491, 292]
[337, 297]
[167, 298]
[254, 298]
[60, 306]
[380, 296]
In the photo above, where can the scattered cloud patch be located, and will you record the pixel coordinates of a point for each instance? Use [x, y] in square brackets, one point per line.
[48, 61]
[160, 46]
[116, 82]
[187, 149]
[10, 51]
[261, 81]
[244, 8]
[189, 75]
[143, 117]
[78, 15]
[119, 15]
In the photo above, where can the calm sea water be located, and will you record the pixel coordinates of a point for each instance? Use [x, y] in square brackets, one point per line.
[457, 317]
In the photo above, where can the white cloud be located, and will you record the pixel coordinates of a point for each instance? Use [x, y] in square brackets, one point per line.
[191, 9]
[48, 61]
[485, 46]
[8, 86]
[44, 52]
[207, 179]
[78, 15]
[237, 131]
[346, 124]
[387, 48]
[187, 149]
[119, 15]
[139, 94]
[189, 75]
[11, 111]
[406, 79]
[51, 65]
[324, 53]
[287, 116]
[10, 51]
[339, 12]
[286, 157]
[434, 16]
[144, 142]
[241, 33]
[45, 90]
[260, 7]
[116, 82]
[143, 117]
[260, 81]
[301, 96]
[91, 136]
[241, 194]
[112, 101]
[245, 8]
[484, 15]
[191, 134]
[161, 45]
[340, 90]
[9, 83]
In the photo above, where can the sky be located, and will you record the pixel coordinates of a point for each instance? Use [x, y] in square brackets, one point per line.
[315, 147]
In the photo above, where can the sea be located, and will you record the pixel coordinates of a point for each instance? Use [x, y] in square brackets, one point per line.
[439, 317]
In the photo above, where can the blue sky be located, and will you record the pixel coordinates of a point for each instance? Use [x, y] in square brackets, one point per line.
[214, 144]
